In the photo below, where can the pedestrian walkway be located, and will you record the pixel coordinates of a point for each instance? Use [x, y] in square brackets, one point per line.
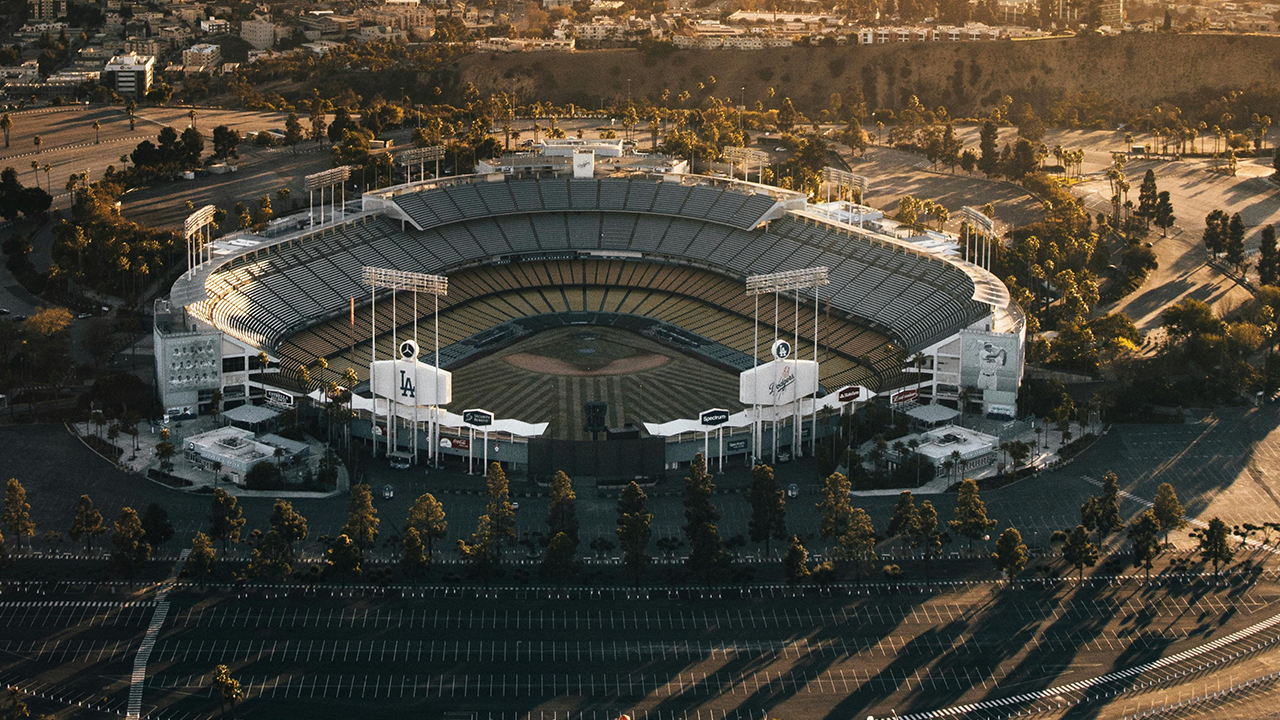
[158, 617]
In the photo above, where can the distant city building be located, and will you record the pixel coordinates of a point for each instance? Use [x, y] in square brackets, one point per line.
[204, 54]
[46, 9]
[130, 75]
[28, 71]
[1111, 12]
[501, 44]
[215, 27]
[259, 33]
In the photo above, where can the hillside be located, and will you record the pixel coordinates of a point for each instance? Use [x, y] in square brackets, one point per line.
[1131, 71]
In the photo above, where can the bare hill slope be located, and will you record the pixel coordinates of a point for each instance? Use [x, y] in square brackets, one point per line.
[1132, 71]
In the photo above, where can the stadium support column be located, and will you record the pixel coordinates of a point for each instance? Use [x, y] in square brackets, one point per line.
[435, 410]
[415, 378]
[755, 400]
[392, 409]
[796, 433]
[773, 453]
[813, 427]
[373, 359]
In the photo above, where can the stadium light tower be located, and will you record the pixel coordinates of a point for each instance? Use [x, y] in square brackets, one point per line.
[419, 156]
[976, 219]
[794, 281]
[842, 180]
[326, 179]
[196, 232]
[394, 280]
[747, 156]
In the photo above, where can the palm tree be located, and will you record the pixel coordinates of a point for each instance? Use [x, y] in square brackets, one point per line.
[130, 108]
[47, 182]
[37, 141]
[191, 115]
[6, 124]
[97, 126]
[35, 170]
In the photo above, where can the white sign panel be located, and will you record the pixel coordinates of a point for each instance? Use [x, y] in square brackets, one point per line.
[409, 382]
[778, 382]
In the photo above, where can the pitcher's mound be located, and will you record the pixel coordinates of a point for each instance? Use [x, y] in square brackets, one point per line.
[586, 353]
[555, 366]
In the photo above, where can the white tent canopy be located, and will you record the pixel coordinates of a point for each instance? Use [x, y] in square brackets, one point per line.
[932, 414]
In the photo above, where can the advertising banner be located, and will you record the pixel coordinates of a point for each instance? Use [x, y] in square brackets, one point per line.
[989, 361]
[410, 382]
[778, 382]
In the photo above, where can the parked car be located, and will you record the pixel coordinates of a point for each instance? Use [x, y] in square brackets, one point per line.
[388, 492]
[793, 490]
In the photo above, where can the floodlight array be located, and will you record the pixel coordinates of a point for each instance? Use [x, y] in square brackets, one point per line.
[377, 277]
[327, 178]
[419, 155]
[198, 219]
[978, 219]
[787, 280]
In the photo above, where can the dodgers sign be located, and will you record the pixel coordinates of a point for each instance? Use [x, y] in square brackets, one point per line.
[410, 382]
[781, 349]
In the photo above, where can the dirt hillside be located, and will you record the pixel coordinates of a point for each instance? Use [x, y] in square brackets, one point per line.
[1131, 71]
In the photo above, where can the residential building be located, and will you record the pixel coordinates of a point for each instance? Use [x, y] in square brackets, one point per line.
[258, 32]
[205, 54]
[214, 26]
[27, 72]
[130, 75]
[46, 9]
[144, 45]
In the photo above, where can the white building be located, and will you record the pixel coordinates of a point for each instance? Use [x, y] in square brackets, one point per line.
[205, 55]
[130, 75]
[259, 33]
[215, 26]
[973, 451]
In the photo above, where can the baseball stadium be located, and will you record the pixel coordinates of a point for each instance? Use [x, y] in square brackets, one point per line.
[627, 289]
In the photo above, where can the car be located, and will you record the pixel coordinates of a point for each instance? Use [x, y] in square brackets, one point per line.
[388, 492]
[779, 149]
[515, 506]
[793, 490]
[784, 457]
[84, 316]
[4, 311]
[19, 318]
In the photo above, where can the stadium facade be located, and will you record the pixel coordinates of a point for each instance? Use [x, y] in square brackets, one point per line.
[904, 315]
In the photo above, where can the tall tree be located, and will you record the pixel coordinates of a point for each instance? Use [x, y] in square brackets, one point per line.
[708, 559]
[1079, 551]
[200, 561]
[698, 489]
[288, 523]
[362, 517]
[1163, 213]
[634, 531]
[483, 554]
[1010, 556]
[502, 515]
[293, 132]
[562, 514]
[16, 514]
[1148, 193]
[428, 518]
[768, 507]
[157, 526]
[905, 516]
[1214, 545]
[1215, 232]
[87, 523]
[272, 558]
[227, 687]
[989, 149]
[344, 558]
[129, 548]
[1235, 241]
[414, 559]
[226, 519]
[795, 563]
[1109, 520]
[834, 509]
[6, 125]
[1144, 538]
[971, 514]
[559, 563]
[924, 535]
[1169, 512]
[1268, 259]
[857, 545]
